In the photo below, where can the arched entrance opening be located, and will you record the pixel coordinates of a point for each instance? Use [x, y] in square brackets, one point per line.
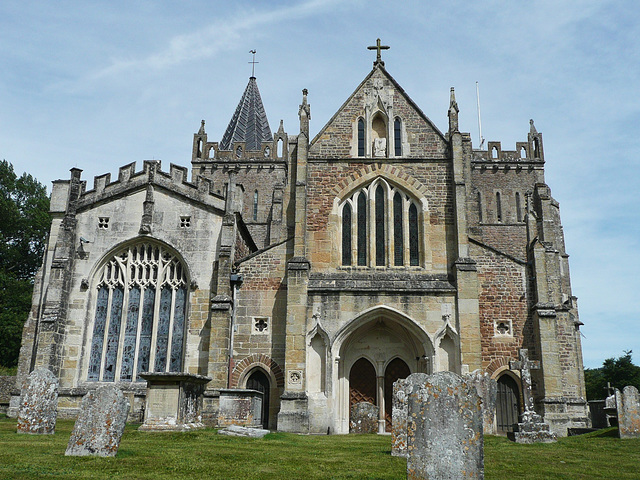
[259, 381]
[396, 369]
[507, 403]
[374, 350]
[362, 383]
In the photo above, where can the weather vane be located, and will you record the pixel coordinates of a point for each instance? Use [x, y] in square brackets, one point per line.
[379, 47]
[253, 63]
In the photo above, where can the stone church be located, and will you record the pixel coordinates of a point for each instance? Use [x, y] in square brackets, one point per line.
[315, 270]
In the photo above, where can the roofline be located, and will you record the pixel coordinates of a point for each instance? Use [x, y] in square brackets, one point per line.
[397, 86]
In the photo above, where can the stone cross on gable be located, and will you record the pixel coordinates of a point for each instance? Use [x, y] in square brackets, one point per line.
[525, 366]
[379, 47]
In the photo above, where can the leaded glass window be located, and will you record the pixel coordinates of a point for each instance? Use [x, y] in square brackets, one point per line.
[380, 221]
[346, 235]
[390, 217]
[140, 314]
[398, 242]
[362, 229]
[360, 137]
[397, 137]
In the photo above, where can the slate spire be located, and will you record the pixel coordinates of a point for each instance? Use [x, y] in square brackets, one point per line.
[249, 123]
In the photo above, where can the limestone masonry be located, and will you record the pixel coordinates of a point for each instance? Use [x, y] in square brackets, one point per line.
[317, 271]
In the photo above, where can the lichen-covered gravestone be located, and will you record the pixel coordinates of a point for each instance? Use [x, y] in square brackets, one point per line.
[401, 390]
[99, 427]
[364, 418]
[444, 429]
[488, 390]
[38, 403]
[628, 407]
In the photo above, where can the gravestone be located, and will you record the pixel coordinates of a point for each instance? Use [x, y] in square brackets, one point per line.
[401, 390]
[100, 424]
[628, 407]
[240, 431]
[488, 390]
[444, 429]
[531, 428]
[364, 418]
[38, 403]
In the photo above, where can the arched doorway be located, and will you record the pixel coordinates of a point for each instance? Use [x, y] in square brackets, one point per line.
[378, 335]
[362, 383]
[507, 403]
[260, 382]
[396, 370]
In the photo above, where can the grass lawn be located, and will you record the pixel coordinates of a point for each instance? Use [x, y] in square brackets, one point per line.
[204, 454]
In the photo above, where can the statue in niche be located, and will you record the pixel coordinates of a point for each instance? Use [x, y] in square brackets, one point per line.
[380, 147]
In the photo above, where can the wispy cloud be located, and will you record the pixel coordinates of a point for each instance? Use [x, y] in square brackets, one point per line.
[222, 34]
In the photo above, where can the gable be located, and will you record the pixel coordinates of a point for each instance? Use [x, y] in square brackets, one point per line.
[379, 99]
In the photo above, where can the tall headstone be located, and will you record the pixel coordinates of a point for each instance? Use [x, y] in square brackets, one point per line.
[488, 390]
[628, 407]
[38, 408]
[401, 390]
[531, 428]
[444, 429]
[364, 418]
[100, 425]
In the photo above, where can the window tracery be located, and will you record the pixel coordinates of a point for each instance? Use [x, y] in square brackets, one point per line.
[380, 227]
[140, 314]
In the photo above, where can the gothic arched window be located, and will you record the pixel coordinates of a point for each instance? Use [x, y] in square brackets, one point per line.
[390, 217]
[360, 137]
[255, 205]
[397, 137]
[140, 315]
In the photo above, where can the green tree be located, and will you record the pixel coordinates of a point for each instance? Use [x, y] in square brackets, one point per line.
[24, 223]
[619, 372]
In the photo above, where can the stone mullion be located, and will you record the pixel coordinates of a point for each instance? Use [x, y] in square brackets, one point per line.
[406, 253]
[388, 243]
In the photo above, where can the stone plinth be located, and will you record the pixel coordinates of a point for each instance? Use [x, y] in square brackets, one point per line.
[38, 408]
[100, 425]
[628, 407]
[239, 406]
[364, 418]
[444, 429]
[532, 429]
[401, 390]
[173, 402]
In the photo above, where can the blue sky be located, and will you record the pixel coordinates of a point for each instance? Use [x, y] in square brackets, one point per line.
[97, 85]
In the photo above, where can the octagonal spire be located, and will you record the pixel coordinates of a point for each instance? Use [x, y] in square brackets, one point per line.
[249, 123]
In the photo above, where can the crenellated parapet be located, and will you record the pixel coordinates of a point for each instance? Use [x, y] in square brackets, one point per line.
[175, 180]
[529, 152]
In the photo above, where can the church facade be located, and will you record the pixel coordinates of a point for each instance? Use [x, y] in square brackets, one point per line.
[316, 270]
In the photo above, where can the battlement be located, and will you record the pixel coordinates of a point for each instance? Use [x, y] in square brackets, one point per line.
[129, 179]
[529, 151]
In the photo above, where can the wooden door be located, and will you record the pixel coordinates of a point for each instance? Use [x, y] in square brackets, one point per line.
[260, 382]
[507, 403]
[396, 370]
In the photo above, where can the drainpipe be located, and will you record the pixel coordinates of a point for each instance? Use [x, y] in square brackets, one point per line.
[236, 281]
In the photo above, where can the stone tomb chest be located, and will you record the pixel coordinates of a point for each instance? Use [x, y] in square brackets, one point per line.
[174, 401]
[239, 406]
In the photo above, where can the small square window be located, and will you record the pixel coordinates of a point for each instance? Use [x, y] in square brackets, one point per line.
[260, 325]
[103, 223]
[503, 328]
[185, 221]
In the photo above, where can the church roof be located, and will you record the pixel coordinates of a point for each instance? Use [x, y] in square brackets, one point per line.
[249, 123]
